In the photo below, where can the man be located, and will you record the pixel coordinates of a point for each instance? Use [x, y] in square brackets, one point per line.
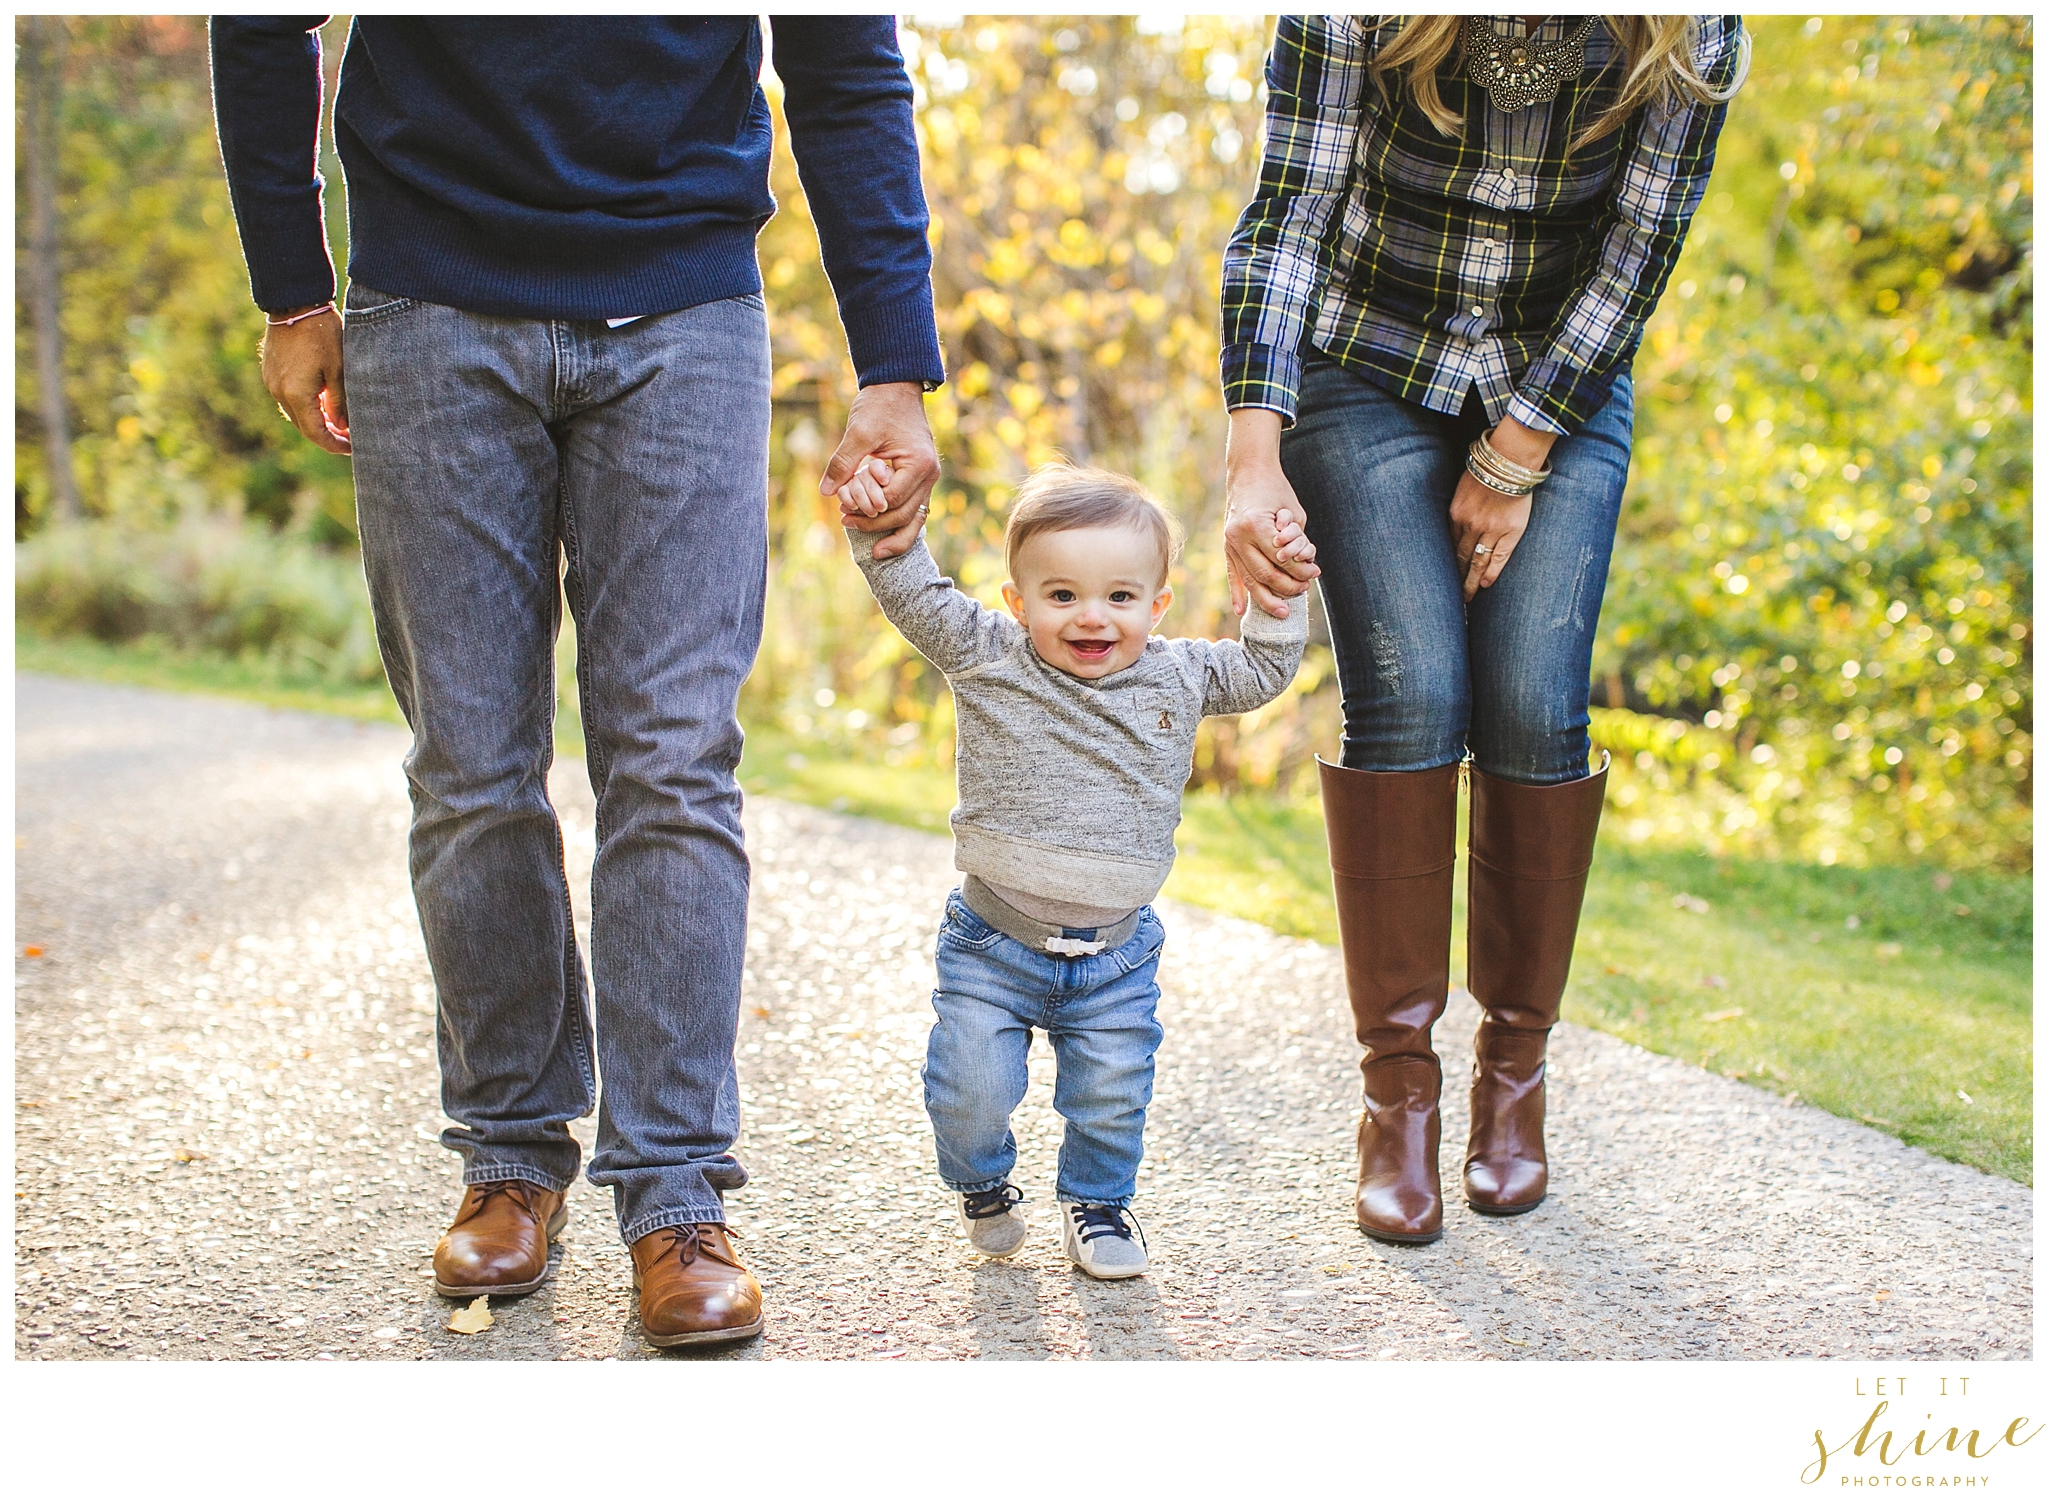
[556, 349]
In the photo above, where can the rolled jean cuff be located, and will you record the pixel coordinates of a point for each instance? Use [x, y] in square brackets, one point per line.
[668, 1219]
[510, 1172]
[1063, 1197]
[975, 1188]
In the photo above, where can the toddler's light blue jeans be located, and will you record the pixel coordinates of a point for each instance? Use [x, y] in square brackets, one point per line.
[1099, 1011]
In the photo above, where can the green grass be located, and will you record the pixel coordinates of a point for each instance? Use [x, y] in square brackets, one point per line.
[1885, 995]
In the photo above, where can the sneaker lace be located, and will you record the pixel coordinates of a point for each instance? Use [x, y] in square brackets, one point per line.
[991, 1202]
[1092, 1221]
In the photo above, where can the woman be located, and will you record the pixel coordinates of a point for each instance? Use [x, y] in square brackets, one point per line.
[1460, 228]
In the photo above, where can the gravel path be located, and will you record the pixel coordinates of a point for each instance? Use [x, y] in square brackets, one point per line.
[226, 1111]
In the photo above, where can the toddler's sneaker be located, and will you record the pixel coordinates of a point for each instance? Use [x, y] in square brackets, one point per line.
[1097, 1239]
[995, 1225]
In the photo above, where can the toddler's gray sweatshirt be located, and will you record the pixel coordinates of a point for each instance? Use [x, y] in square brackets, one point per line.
[1069, 787]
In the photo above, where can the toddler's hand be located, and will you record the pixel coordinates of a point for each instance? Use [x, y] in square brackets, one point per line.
[1285, 541]
[862, 495]
[1292, 540]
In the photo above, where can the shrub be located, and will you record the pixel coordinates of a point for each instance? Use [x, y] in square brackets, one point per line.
[209, 583]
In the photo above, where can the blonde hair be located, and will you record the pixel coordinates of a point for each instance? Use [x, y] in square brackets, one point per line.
[1070, 498]
[1657, 67]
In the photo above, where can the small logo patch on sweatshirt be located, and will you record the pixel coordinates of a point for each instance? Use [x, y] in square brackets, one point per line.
[1165, 721]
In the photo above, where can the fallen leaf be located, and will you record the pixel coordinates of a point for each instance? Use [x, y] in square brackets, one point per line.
[1883, 1293]
[1875, 1120]
[32, 951]
[1723, 1016]
[474, 1319]
[186, 1154]
[1964, 1098]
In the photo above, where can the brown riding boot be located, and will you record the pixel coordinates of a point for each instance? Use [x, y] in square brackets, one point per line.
[1530, 849]
[1393, 843]
[693, 1289]
[498, 1244]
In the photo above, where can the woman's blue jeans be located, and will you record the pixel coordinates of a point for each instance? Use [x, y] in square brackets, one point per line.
[1100, 1011]
[1425, 678]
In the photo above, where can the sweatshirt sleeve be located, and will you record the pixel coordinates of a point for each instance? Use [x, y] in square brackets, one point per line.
[1238, 676]
[266, 111]
[952, 628]
[848, 102]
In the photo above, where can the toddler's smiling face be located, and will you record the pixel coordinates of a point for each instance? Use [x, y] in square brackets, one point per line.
[1089, 598]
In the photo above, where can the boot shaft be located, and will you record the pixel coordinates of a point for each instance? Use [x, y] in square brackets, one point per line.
[1530, 851]
[1393, 850]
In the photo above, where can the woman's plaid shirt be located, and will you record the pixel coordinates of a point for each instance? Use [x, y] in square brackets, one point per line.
[1433, 265]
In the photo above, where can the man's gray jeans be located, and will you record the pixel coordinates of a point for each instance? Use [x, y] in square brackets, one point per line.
[486, 450]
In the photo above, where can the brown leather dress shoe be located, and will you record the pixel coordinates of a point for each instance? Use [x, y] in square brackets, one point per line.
[693, 1289]
[498, 1244]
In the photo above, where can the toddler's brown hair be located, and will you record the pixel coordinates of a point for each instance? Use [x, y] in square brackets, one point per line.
[1071, 497]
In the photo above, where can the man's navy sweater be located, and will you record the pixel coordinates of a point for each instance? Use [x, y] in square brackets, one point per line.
[548, 167]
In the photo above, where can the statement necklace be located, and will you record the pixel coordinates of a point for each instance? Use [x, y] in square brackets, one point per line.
[1519, 71]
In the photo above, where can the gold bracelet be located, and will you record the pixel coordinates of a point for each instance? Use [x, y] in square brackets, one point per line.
[1494, 459]
[1492, 479]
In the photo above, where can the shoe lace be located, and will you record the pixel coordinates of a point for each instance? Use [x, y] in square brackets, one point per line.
[991, 1202]
[689, 1242]
[1092, 1221]
[517, 1190]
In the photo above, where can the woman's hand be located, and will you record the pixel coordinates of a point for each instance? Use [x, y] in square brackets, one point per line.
[1485, 524]
[1265, 552]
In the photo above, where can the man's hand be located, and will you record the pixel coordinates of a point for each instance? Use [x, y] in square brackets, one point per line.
[887, 423]
[1265, 552]
[302, 369]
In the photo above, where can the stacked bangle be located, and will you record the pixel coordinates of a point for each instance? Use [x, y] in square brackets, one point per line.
[1486, 464]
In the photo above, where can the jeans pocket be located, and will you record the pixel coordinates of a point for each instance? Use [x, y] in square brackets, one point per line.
[962, 929]
[1142, 947]
[368, 305]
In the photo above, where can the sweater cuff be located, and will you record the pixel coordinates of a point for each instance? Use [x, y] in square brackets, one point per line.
[1257, 625]
[288, 268]
[896, 341]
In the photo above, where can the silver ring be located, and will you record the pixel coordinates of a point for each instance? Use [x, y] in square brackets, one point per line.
[1481, 550]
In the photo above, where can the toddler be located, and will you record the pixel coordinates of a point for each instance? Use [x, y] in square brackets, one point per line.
[1076, 733]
